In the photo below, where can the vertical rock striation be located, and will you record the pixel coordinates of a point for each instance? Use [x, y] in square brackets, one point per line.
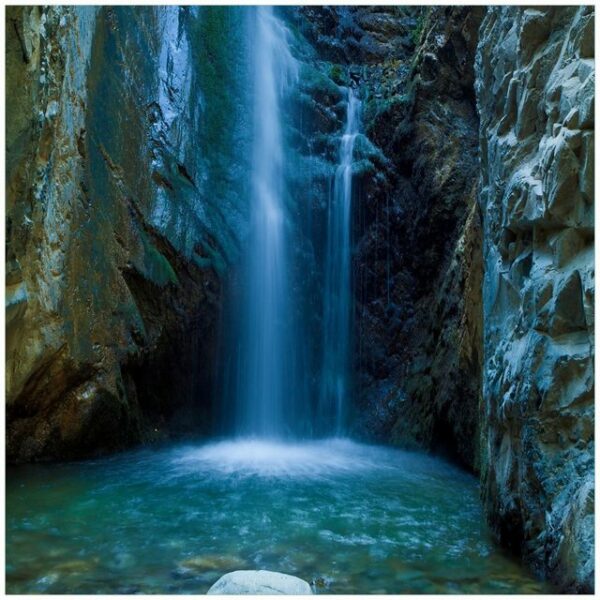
[535, 90]
[122, 211]
[48, 53]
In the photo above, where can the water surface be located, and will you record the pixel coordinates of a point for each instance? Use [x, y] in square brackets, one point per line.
[351, 518]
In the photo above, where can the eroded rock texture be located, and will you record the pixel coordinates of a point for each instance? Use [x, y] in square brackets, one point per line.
[418, 255]
[119, 221]
[535, 85]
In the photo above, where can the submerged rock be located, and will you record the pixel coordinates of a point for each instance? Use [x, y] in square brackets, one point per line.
[212, 563]
[260, 582]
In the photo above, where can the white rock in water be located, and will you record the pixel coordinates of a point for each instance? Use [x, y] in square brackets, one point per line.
[260, 582]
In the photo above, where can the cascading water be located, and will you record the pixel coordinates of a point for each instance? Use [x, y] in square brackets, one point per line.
[337, 299]
[267, 368]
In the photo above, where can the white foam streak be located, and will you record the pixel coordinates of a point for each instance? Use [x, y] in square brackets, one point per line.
[265, 458]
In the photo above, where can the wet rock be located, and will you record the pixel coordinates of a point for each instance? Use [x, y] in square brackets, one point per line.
[112, 303]
[358, 35]
[260, 582]
[418, 254]
[47, 581]
[212, 563]
[321, 583]
[77, 566]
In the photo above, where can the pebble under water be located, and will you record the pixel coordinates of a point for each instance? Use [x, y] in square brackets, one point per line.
[346, 517]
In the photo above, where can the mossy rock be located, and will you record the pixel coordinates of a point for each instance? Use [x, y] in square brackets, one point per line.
[156, 266]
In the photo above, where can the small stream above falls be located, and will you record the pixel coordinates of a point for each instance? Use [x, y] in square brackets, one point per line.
[351, 518]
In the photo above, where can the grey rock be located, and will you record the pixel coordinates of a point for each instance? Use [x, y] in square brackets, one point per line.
[418, 253]
[535, 73]
[260, 582]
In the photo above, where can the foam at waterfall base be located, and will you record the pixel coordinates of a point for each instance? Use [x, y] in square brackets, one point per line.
[271, 458]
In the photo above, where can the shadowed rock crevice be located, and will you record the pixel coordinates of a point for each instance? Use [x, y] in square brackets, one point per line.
[418, 257]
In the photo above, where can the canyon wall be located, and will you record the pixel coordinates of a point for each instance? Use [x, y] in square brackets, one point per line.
[122, 210]
[128, 136]
[480, 124]
[128, 178]
[418, 250]
[535, 89]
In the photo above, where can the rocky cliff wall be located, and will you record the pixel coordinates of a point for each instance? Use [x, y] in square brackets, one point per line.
[123, 208]
[418, 255]
[520, 117]
[535, 89]
[128, 150]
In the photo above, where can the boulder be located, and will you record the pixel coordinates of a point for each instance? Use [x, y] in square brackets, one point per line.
[260, 582]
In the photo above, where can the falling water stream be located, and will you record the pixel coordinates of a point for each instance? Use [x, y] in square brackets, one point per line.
[337, 297]
[348, 517]
[267, 367]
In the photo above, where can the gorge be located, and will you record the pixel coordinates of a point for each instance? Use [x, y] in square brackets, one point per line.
[259, 241]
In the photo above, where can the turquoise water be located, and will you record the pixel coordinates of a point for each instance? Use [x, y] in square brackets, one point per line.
[348, 517]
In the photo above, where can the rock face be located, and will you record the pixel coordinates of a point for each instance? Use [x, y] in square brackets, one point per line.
[535, 90]
[418, 256]
[260, 582]
[417, 232]
[119, 221]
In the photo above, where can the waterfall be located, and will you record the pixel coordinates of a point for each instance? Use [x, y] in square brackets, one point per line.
[267, 370]
[337, 298]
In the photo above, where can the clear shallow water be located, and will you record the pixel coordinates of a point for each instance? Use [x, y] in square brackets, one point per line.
[350, 517]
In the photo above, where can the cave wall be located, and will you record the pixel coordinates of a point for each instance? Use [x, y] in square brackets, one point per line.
[122, 213]
[535, 91]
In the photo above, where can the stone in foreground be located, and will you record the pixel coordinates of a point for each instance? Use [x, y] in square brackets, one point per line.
[260, 582]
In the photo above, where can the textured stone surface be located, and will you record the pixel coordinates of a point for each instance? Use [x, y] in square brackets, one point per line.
[535, 89]
[418, 255]
[119, 221]
[358, 35]
[260, 582]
